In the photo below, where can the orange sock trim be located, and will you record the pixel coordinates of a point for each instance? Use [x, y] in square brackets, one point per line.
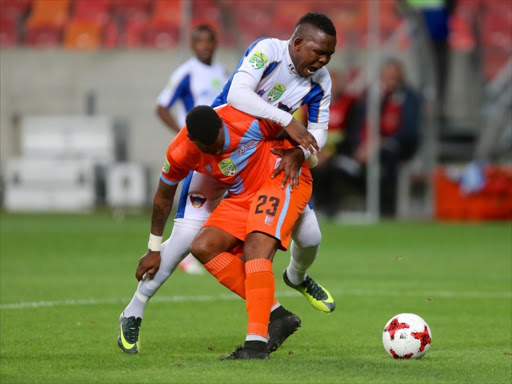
[219, 262]
[260, 289]
[258, 265]
[229, 271]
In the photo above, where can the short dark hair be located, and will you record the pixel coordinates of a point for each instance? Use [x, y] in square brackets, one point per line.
[203, 124]
[320, 21]
[204, 28]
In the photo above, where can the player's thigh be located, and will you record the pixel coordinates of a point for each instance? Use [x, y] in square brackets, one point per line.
[200, 194]
[230, 215]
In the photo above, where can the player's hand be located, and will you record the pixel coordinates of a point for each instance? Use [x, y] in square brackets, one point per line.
[148, 264]
[301, 136]
[291, 162]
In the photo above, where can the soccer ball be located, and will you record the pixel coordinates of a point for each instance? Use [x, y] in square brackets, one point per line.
[406, 336]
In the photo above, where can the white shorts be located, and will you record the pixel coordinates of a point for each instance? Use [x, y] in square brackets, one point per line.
[200, 194]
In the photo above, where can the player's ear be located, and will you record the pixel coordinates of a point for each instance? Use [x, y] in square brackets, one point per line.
[297, 43]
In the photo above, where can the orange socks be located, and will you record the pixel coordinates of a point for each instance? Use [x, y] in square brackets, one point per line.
[260, 289]
[253, 281]
[230, 271]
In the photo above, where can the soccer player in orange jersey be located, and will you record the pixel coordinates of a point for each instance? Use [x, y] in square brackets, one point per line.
[259, 212]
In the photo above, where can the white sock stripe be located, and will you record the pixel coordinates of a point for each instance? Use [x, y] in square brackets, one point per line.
[288, 293]
[251, 337]
[142, 297]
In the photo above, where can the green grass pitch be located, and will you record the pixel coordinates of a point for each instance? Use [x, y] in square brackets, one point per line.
[66, 278]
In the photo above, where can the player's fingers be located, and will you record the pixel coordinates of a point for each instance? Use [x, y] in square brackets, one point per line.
[278, 170]
[286, 177]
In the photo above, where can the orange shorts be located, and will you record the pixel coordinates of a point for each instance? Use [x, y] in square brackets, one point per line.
[272, 210]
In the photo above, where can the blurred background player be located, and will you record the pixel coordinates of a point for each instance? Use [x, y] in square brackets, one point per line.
[272, 80]
[196, 82]
[326, 187]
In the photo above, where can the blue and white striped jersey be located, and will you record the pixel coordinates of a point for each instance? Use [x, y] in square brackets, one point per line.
[192, 83]
[268, 61]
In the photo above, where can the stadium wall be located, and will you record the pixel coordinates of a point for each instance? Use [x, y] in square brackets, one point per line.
[125, 85]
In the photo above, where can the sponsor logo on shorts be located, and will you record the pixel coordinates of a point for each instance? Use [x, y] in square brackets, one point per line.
[258, 60]
[268, 220]
[228, 167]
[276, 92]
[197, 200]
[166, 166]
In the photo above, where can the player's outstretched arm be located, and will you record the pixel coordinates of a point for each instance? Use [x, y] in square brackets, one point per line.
[162, 205]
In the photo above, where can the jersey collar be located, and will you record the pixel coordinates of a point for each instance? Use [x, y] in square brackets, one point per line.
[288, 58]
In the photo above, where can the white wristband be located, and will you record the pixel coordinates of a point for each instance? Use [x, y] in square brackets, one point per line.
[312, 162]
[154, 243]
[306, 152]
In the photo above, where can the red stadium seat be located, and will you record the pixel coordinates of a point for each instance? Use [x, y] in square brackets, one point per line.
[43, 36]
[8, 32]
[161, 36]
[15, 8]
[162, 30]
[131, 9]
[133, 32]
[93, 10]
[111, 35]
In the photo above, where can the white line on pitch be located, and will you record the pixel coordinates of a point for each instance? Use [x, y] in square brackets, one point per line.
[228, 297]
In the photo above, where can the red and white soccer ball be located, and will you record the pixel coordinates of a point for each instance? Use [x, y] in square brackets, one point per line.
[406, 336]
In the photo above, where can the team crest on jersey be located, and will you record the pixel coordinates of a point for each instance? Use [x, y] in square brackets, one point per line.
[276, 92]
[166, 166]
[258, 60]
[208, 168]
[197, 201]
[228, 167]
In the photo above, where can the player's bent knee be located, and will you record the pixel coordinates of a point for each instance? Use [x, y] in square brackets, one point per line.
[199, 249]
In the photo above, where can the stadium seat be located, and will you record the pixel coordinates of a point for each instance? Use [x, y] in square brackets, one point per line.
[161, 36]
[15, 8]
[8, 32]
[93, 10]
[43, 36]
[162, 30]
[48, 12]
[133, 31]
[111, 35]
[82, 34]
[46, 21]
[131, 9]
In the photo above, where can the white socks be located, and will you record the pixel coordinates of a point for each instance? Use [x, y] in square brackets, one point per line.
[183, 233]
[306, 238]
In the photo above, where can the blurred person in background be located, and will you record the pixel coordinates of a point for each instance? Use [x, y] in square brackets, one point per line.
[399, 132]
[196, 82]
[436, 15]
[326, 188]
[272, 80]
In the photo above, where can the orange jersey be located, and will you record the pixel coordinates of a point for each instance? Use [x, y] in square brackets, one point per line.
[245, 162]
